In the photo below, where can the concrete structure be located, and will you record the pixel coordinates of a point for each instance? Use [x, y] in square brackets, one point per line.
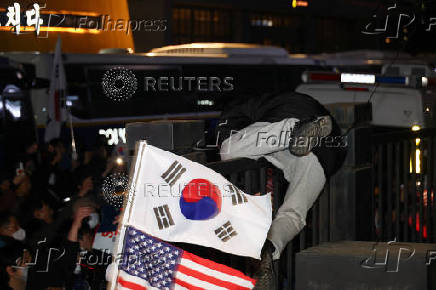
[366, 265]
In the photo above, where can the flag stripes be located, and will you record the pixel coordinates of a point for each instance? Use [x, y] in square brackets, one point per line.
[123, 284]
[202, 277]
[193, 282]
[149, 263]
[173, 173]
[126, 281]
[194, 272]
[217, 270]
[180, 284]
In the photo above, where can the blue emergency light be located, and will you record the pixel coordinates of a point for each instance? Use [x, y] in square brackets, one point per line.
[391, 80]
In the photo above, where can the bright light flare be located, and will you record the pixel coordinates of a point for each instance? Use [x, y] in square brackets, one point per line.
[52, 29]
[416, 128]
[357, 78]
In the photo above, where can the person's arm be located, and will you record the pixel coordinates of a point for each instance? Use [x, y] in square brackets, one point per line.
[79, 215]
[109, 166]
[56, 263]
[56, 159]
[72, 246]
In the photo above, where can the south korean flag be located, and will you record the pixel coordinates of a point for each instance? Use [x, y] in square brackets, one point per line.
[177, 200]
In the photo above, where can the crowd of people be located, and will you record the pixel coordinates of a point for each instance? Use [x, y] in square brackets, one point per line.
[51, 205]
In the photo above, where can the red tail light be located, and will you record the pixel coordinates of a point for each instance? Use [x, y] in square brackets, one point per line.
[357, 89]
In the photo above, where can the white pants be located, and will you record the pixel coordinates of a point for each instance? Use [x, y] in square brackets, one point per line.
[305, 175]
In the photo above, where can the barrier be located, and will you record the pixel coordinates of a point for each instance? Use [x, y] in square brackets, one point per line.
[261, 176]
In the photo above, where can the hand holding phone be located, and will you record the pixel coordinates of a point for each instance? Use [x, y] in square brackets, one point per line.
[20, 169]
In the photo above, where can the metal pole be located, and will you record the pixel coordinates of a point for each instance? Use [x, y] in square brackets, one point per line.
[2, 87]
[73, 141]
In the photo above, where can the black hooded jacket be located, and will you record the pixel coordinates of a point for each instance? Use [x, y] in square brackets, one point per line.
[277, 107]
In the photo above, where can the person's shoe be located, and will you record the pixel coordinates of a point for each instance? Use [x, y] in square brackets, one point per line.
[265, 276]
[307, 134]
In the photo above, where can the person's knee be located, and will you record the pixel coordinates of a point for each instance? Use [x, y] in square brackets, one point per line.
[293, 218]
[299, 219]
[225, 151]
[234, 147]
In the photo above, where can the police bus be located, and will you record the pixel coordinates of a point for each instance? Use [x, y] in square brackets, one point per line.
[400, 95]
[192, 81]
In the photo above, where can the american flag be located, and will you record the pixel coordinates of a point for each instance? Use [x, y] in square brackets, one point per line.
[149, 263]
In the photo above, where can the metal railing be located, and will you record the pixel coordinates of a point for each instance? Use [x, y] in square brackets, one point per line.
[403, 184]
[262, 177]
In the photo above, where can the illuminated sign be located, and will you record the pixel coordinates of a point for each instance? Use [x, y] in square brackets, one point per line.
[114, 135]
[36, 20]
[299, 3]
[32, 18]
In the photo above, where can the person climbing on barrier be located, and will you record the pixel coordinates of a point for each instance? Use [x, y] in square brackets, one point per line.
[296, 134]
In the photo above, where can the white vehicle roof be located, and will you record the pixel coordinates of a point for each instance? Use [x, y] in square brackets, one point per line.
[214, 53]
[407, 69]
[391, 106]
[219, 49]
[366, 54]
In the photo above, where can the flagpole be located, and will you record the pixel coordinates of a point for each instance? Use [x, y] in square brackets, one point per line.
[73, 140]
[127, 207]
